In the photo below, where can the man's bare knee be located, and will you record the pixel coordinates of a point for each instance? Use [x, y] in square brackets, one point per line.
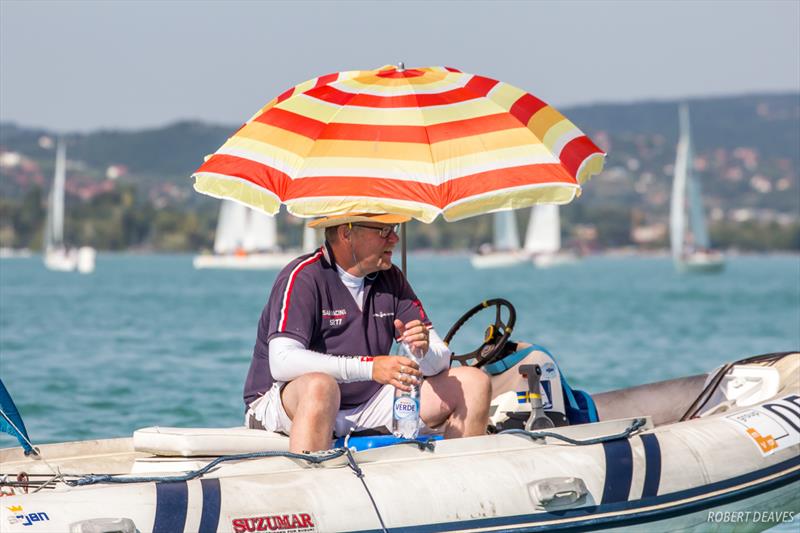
[311, 393]
[320, 387]
[474, 380]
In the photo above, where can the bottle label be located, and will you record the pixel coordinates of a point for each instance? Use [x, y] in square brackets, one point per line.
[405, 407]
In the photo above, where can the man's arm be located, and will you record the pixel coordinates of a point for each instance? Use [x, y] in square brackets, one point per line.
[289, 359]
[418, 337]
[437, 358]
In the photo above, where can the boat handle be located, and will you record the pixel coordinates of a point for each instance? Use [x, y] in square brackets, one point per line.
[559, 491]
[104, 525]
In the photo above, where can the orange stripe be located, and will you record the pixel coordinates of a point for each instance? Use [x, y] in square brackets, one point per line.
[359, 132]
[472, 126]
[293, 122]
[436, 195]
[315, 129]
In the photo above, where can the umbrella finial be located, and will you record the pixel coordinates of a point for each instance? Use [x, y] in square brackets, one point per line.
[401, 66]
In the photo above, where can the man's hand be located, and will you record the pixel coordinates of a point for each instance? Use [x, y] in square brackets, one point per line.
[415, 334]
[396, 370]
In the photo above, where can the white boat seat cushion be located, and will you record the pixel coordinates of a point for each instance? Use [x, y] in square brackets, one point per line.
[194, 442]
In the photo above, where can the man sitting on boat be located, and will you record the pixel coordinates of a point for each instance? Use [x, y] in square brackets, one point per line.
[320, 364]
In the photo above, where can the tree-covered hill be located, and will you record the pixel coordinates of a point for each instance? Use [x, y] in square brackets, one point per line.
[747, 155]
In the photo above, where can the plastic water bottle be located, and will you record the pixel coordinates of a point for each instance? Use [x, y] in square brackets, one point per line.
[405, 409]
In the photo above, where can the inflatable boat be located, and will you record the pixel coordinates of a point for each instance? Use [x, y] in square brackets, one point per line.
[705, 452]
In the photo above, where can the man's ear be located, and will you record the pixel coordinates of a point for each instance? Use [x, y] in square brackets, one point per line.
[344, 232]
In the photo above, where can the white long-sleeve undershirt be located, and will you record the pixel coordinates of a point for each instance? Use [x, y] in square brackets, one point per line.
[289, 359]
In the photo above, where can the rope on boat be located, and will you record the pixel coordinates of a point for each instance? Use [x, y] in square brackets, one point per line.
[106, 478]
[313, 458]
[334, 454]
[360, 475]
[635, 424]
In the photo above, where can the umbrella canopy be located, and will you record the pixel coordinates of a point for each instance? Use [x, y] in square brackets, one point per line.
[419, 142]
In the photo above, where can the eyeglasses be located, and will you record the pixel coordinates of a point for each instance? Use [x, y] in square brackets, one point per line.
[383, 231]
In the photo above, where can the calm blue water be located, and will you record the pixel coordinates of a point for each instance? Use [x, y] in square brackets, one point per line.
[148, 340]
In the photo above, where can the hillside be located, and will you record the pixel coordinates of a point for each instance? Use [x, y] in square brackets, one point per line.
[747, 152]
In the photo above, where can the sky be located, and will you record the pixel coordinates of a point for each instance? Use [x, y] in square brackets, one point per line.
[81, 66]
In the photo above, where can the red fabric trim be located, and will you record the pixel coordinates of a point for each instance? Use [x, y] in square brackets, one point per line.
[525, 107]
[575, 153]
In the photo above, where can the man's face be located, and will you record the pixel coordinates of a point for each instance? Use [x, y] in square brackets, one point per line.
[372, 251]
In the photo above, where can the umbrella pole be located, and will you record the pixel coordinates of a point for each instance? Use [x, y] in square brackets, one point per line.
[403, 248]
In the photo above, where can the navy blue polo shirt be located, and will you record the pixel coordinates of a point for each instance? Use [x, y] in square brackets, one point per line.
[309, 303]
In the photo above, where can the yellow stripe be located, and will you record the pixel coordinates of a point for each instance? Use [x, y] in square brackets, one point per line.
[313, 108]
[236, 189]
[557, 131]
[504, 95]
[485, 142]
[591, 166]
[496, 148]
[306, 85]
[372, 150]
[514, 199]
[419, 171]
[478, 149]
[383, 166]
[313, 207]
[310, 107]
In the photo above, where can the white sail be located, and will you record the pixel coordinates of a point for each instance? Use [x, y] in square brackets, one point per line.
[54, 233]
[56, 255]
[241, 229]
[506, 236]
[691, 247]
[677, 212]
[544, 230]
[261, 233]
[310, 242]
[230, 227]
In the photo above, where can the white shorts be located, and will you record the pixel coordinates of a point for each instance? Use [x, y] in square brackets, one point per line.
[375, 413]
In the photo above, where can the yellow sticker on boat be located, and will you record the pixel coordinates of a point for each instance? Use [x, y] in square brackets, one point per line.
[772, 426]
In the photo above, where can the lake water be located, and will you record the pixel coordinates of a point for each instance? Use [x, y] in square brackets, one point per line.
[148, 340]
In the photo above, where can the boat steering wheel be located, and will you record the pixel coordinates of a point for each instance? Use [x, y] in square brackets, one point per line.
[495, 338]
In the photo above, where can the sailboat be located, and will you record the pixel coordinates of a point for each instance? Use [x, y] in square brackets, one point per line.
[504, 250]
[691, 249]
[248, 239]
[56, 254]
[543, 238]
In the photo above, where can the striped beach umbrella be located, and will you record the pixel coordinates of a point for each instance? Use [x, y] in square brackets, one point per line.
[419, 142]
